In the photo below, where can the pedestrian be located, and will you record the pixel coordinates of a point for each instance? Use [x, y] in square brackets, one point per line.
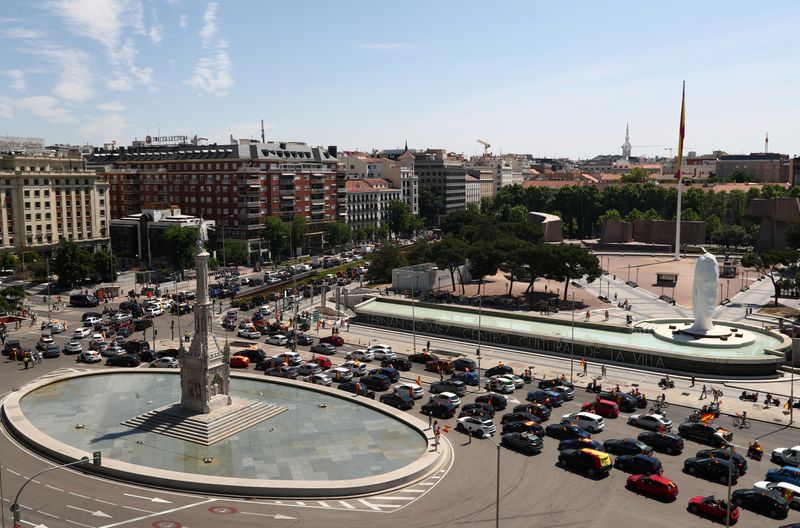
[40, 357]
[26, 360]
[585, 366]
[469, 438]
[428, 346]
[13, 354]
[430, 420]
[441, 374]
[703, 392]
[436, 432]
[588, 315]
[603, 370]
[692, 381]
[606, 314]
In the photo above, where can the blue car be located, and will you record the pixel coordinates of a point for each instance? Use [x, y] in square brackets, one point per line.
[788, 474]
[469, 378]
[580, 443]
[545, 397]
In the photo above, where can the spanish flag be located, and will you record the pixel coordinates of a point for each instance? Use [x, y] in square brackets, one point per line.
[681, 131]
[446, 428]
[707, 417]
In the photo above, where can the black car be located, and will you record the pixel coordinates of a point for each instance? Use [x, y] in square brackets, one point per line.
[479, 412]
[135, 347]
[141, 324]
[668, 443]
[125, 331]
[478, 407]
[712, 469]
[147, 354]
[519, 417]
[545, 398]
[401, 364]
[422, 357]
[725, 454]
[397, 400]
[583, 460]
[627, 446]
[499, 370]
[305, 339]
[168, 352]
[357, 388]
[563, 431]
[555, 382]
[626, 402]
[127, 306]
[377, 382]
[392, 374]
[464, 364]
[10, 345]
[524, 442]
[439, 409]
[707, 434]
[268, 363]
[765, 502]
[524, 427]
[124, 360]
[497, 401]
[536, 409]
[453, 386]
[253, 354]
[639, 464]
[51, 351]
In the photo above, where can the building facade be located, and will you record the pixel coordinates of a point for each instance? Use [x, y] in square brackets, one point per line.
[46, 198]
[444, 176]
[762, 167]
[399, 171]
[472, 190]
[368, 201]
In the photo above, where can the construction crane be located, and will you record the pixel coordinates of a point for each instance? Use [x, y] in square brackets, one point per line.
[486, 146]
[670, 149]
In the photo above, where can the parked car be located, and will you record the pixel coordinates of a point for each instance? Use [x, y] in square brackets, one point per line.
[654, 485]
[764, 502]
[784, 489]
[785, 456]
[713, 508]
[788, 474]
[639, 464]
[712, 468]
[524, 442]
[593, 463]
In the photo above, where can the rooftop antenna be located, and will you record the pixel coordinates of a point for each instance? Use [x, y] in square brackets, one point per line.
[766, 143]
[262, 132]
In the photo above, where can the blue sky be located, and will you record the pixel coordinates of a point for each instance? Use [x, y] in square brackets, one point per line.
[547, 78]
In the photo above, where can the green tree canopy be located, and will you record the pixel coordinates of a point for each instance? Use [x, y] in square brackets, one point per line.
[338, 233]
[180, 243]
[235, 252]
[636, 175]
[771, 264]
[399, 218]
[11, 297]
[104, 266]
[72, 264]
[8, 261]
[276, 235]
[571, 262]
[299, 233]
[383, 261]
[430, 205]
[450, 253]
[730, 235]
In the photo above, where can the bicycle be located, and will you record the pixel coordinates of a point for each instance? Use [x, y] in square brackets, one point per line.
[741, 423]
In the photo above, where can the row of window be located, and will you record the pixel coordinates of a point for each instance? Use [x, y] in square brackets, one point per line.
[46, 181]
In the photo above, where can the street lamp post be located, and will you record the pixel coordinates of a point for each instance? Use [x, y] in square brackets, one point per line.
[730, 477]
[480, 316]
[497, 486]
[572, 346]
[795, 350]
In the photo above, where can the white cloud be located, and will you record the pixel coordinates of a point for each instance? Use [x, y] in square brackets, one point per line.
[213, 73]
[119, 83]
[45, 106]
[210, 28]
[20, 33]
[17, 79]
[75, 79]
[104, 129]
[184, 21]
[113, 106]
[155, 33]
[6, 108]
[385, 46]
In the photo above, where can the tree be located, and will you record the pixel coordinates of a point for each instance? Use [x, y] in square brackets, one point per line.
[235, 252]
[11, 297]
[72, 264]
[337, 233]
[180, 243]
[104, 266]
[730, 235]
[383, 261]
[299, 232]
[484, 259]
[276, 235]
[571, 262]
[398, 217]
[636, 175]
[450, 253]
[792, 236]
[370, 232]
[430, 205]
[771, 264]
[7, 261]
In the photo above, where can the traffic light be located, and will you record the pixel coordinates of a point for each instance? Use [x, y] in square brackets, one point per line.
[97, 459]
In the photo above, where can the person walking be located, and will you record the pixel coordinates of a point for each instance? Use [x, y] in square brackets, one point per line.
[603, 370]
[436, 432]
[430, 420]
[703, 392]
[585, 366]
[26, 360]
[692, 381]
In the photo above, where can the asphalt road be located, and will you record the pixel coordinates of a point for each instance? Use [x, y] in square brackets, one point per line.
[534, 492]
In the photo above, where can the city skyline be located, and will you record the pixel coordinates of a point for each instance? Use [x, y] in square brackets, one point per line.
[535, 79]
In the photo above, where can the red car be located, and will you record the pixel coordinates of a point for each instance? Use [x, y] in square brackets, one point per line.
[605, 408]
[335, 340]
[712, 507]
[654, 485]
[239, 362]
[324, 362]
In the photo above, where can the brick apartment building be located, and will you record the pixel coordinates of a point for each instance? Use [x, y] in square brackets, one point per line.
[237, 185]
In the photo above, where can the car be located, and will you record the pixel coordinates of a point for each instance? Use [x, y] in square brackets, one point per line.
[401, 364]
[397, 400]
[292, 359]
[668, 443]
[605, 408]
[579, 443]
[468, 378]
[476, 426]
[73, 347]
[439, 409]
[410, 389]
[277, 339]
[307, 369]
[81, 332]
[335, 340]
[497, 401]
[392, 374]
[239, 362]
[545, 397]
[357, 388]
[142, 324]
[356, 368]
[725, 454]
[712, 468]
[89, 356]
[340, 374]
[784, 489]
[592, 462]
[153, 312]
[653, 485]
[249, 333]
[447, 396]
[499, 370]
[320, 378]
[444, 366]
[627, 446]
[566, 393]
[536, 409]
[785, 456]
[478, 408]
[554, 382]
[626, 402]
[449, 386]
[252, 353]
[713, 508]
[362, 354]
[463, 364]
[639, 464]
[124, 331]
[524, 427]
[765, 502]
[499, 384]
[422, 357]
[135, 347]
[524, 442]
[44, 341]
[323, 362]
[705, 433]
[90, 315]
[52, 351]
[382, 352]
[165, 362]
[567, 430]
[124, 360]
[91, 320]
[516, 380]
[519, 417]
[323, 348]
[788, 474]
[651, 422]
[591, 422]
[110, 351]
[305, 339]
[57, 327]
[377, 382]
[282, 371]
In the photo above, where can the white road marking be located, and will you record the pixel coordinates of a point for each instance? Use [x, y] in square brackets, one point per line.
[79, 495]
[79, 524]
[53, 487]
[427, 483]
[165, 512]
[106, 502]
[300, 503]
[276, 516]
[14, 472]
[347, 505]
[151, 499]
[369, 505]
[414, 491]
[382, 497]
[48, 514]
[97, 513]
[323, 504]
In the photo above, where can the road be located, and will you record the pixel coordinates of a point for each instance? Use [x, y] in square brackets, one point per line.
[534, 492]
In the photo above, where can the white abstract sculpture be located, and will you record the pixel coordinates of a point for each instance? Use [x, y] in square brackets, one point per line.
[704, 293]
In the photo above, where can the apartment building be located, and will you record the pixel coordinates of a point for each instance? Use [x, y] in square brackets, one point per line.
[368, 201]
[445, 176]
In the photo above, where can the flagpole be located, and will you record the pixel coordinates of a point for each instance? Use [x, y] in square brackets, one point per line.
[678, 174]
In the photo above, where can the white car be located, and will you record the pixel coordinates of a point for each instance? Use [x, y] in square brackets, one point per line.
[361, 354]
[277, 339]
[44, 341]
[73, 347]
[56, 328]
[786, 456]
[448, 396]
[165, 362]
[474, 425]
[782, 487]
[650, 421]
[266, 309]
[500, 385]
[153, 312]
[111, 351]
[516, 380]
[382, 352]
[90, 356]
[591, 422]
[92, 320]
[121, 317]
[249, 333]
[410, 389]
[81, 332]
[320, 378]
[339, 374]
[293, 359]
[356, 368]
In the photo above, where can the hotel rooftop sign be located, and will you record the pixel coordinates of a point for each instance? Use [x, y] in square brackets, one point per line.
[27, 144]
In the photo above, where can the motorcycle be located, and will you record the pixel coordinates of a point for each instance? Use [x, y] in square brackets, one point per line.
[774, 401]
[641, 400]
[755, 452]
[693, 418]
[666, 384]
[597, 389]
[46, 324]
[749, 396]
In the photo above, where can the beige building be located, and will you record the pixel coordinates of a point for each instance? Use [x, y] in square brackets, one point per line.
[472, 190]
[368, 201]
[47, 198]
[761, 167]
